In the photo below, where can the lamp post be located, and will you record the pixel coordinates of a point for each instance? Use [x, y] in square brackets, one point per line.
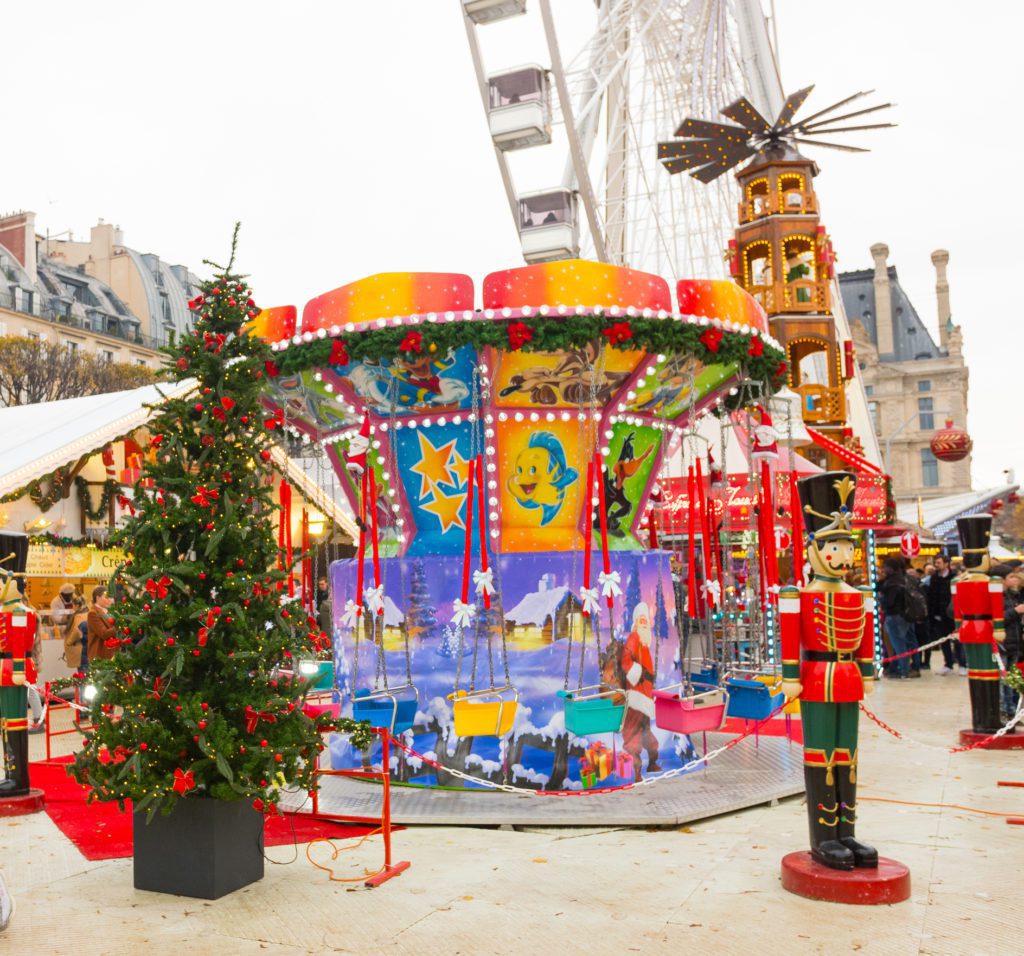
[889, 440]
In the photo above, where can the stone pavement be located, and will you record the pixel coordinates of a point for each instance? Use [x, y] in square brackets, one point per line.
[711, 885]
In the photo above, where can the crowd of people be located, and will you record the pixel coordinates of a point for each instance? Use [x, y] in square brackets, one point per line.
[917, 608]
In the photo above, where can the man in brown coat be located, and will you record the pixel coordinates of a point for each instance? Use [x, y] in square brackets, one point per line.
[101, 626]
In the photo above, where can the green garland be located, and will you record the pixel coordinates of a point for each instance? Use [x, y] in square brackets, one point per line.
[1014, 679]
[549, 334]
[110, 488]
[61, 541]
[44, 501]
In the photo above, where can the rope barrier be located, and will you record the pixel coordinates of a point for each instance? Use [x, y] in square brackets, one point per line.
[1002, 732]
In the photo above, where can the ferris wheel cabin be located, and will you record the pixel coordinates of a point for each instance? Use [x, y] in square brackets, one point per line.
[519, 107]
[489, 11]
[549, 225]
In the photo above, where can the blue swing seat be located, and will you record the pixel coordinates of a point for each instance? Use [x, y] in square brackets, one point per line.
[750, 699]
[383, 709]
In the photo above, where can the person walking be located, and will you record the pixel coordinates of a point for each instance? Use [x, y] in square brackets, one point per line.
[74, 636]
[892, 590]
[1013, 639]
[940, 618]
[100, 626]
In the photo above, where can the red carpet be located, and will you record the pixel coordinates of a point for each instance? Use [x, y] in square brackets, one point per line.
[776, 727]
[102, 832]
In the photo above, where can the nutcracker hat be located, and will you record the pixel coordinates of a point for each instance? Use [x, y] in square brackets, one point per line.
[974, 532]
[827, 504]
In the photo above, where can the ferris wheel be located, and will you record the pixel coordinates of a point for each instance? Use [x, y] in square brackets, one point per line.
[575, 134]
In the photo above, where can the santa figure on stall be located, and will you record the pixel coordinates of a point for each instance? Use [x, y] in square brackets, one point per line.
[358, 446]
[765, 439]
[638, 668]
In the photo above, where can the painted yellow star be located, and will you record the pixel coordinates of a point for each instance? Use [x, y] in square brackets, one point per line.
[447, 509]
[459, 468]
[433, 465]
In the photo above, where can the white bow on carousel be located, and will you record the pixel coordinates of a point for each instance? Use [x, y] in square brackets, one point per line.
[713, 592]
[463, 613]
[591, 601]
[352, 613]
[375, 599]
[484, 581]
[609, 584]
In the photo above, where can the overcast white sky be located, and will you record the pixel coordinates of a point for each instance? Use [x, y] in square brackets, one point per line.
[349, 139]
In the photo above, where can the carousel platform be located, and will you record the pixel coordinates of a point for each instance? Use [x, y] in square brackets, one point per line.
[749, 775]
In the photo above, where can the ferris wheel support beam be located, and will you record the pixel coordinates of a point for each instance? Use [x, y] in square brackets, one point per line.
[616, 184]
[758, 59]
[579, 159]
[481, 80]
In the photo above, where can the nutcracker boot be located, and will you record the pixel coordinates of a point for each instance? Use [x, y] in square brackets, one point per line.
[984, 705]
[16, 762]
[823, 815]
[846, 788]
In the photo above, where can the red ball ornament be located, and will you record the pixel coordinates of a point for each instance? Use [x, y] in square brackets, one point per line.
[202, 725]
[198, 407]
[951, 443]
[143, 746]
[205, 705]
[278, 758]
[241, 750]
[195, 653]
[170, 642]
[178, 708]
[264, 743]
[202, 575]
[265, 455]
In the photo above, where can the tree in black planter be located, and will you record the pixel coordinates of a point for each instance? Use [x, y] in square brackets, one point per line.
[191, 712]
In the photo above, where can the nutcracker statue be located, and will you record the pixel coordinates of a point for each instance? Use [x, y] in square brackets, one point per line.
[978, 609]
[827, 661]
[17, 634]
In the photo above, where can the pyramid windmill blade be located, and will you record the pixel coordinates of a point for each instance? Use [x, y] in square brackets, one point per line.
[835, 106]
[845, 149]
[806, 126]
[820, 131]
[745, 113]
[703, 129]
[677, 157]
[793, 103]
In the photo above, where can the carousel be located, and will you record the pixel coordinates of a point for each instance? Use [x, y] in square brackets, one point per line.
[511, 616]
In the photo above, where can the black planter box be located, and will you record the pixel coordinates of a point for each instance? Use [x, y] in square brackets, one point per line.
[205, 848]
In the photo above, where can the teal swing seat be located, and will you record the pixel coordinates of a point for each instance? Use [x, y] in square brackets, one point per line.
[592, 710]
[385, 709]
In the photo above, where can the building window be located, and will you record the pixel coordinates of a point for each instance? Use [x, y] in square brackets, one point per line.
[107, 355]
[71, 346]
[873, 411]
[869, 389]
[926, 417]
[929, 469]
[924, 385]
[141, 362]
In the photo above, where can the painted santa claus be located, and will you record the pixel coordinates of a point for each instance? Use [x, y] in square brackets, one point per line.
[639, 670]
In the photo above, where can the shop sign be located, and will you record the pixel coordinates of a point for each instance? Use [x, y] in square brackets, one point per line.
[50, 561]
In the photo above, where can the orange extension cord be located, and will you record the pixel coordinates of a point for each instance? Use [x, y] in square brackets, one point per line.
[337, 850]
[948, 806]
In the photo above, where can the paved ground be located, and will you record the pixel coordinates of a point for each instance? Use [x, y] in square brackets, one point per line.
[708, 885]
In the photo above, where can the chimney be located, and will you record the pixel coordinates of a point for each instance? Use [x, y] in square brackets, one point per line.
[883, 301]
[18, 235]
[940, 259]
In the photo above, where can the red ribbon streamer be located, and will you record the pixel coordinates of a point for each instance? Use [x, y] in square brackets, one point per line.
[768, 512]
[599, 477]
[588, 526]
[798, 531]
[691, 546]
[483, 523]
[372, 505]
[705, 523]
[285, 532]
[361, 557]
[469, 536]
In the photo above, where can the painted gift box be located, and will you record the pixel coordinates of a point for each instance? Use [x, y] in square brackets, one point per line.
[599, 758]
[624, 765]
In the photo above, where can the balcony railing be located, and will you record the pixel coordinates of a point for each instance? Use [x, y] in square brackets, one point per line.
[60, 313]
[822, 405]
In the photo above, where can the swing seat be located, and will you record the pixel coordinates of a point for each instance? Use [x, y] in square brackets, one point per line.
[708, 676]
[383, 708]
[701, 711]
[750, 699]
[484, 713]
[593, 713]
[775, 685]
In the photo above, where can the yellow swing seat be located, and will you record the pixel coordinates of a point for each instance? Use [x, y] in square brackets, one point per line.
[484, 713]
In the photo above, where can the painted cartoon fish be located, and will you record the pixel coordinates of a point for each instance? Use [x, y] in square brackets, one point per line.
[540, 476]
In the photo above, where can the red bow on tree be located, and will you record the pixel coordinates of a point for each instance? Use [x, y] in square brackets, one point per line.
[126, 503]
[780, 369]
[203, 495]
[320, 640]
[617, 333]
[272, 370]
[519, 333]
[218, 413]
[184, 781]
[339, 353]
[204, 632]
[412, 342]
[275, 421]
[756, 346]
[254, 716]
[712, 338]
[158, 589]
[155, 441]
[214, 342]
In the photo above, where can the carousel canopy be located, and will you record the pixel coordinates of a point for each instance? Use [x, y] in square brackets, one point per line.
[940, 514]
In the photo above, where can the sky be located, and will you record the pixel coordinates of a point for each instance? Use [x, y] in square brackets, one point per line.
[349, 138]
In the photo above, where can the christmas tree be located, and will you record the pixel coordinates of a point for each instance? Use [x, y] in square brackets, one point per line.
[632, 595]
[421, 615]
[660, 612]
[192, 702]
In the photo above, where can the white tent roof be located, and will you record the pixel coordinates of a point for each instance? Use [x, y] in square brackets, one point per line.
[39, 438]
[936, 511]
[49, 435]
